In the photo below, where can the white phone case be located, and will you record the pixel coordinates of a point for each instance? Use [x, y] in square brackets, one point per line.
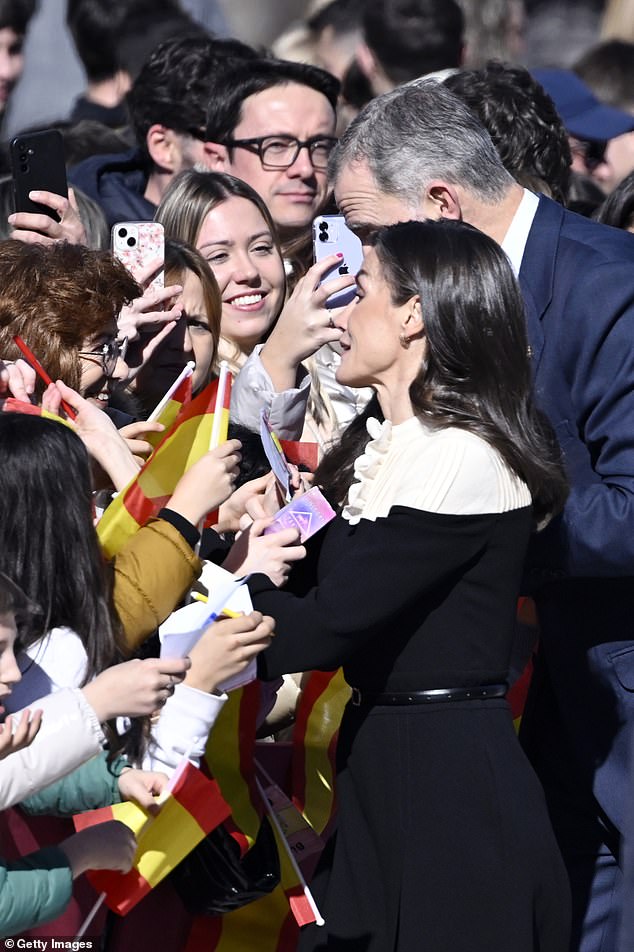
[331, 235]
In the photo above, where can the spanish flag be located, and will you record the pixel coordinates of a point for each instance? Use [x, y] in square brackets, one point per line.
[315, 734]
[12, 405]
[192, 809]
[188, 439]
[275, 919]
[179, 398]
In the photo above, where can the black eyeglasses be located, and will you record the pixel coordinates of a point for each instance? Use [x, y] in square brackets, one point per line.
[279, 152]
[107, 355]
[591, 151]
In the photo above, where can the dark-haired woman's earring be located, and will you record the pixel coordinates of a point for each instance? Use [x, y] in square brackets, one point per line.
[405, 341]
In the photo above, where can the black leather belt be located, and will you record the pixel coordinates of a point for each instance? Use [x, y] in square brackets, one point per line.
[479, 692]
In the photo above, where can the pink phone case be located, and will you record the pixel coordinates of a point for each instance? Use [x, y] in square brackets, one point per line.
[137, 244]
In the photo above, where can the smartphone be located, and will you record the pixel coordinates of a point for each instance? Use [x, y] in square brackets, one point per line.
[331, 235]
[137, 244]
[38, 161]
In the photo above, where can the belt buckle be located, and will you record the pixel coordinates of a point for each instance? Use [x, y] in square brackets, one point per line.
[356, 697]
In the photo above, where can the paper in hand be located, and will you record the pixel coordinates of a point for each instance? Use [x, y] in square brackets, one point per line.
[275, 455]
[308, 513]
[180, 632]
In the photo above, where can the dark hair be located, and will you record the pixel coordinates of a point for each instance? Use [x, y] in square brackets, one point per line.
[413, 37]
[618, 208]
[608, 69]
[181, 257]
[344, 16]
[142, 35]
[522, 121]
[49, 545]
[16, 14]
[56, 296]
[14, 602]
[96, 27]
[476, 372]
[233, 87]
[585, 196]
[177, 81]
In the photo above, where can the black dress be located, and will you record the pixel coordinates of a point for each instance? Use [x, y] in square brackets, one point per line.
[443, 840]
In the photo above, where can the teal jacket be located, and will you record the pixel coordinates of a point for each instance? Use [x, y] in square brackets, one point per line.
[38, 887]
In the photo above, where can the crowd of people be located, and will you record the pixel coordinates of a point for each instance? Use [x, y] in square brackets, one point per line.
[468, 415]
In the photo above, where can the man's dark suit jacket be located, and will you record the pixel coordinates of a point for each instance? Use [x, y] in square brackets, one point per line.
[578, 283]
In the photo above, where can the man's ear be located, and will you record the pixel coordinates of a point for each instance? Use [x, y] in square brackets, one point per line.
[216, 156]
[442, 201]
[164, 147]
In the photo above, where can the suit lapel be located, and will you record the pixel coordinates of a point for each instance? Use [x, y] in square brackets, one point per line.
[537, 271]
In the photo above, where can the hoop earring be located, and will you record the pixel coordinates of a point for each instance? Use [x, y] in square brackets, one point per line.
[405, 341]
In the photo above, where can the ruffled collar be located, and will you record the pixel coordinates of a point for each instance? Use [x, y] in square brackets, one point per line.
[366, 467]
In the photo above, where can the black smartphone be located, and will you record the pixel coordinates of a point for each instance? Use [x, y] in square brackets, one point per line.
[38, 162]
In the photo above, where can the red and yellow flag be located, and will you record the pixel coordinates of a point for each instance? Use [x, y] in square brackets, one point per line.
[192, 809]
[315, 733]
[184, 444]
[178, 399]
[13, 405]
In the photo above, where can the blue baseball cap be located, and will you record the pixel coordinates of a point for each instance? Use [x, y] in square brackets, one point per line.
[583, 115]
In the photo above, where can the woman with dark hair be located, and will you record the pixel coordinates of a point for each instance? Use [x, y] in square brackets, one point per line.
[443, 839]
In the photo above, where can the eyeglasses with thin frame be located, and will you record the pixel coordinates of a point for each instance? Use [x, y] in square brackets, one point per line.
[280, 152]
[107, 355]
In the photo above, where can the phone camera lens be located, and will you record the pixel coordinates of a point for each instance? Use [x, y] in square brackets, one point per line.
[131, 242]
[20, 145]
[23, 157]
[24, 167]
[123, 232]
[323, 227]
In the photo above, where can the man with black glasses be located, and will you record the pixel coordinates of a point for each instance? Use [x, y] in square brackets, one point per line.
[167, 106]
[273, 126]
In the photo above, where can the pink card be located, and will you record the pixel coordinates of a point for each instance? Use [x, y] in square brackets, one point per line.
[308, 513]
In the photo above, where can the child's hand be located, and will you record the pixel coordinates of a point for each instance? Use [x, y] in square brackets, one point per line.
[271, 554]
[135, 688]
[142, 786]
[110, 845]
[226, 648]
[207, 483]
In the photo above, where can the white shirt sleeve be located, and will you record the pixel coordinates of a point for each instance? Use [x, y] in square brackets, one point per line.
[253, 390]
[183, 728]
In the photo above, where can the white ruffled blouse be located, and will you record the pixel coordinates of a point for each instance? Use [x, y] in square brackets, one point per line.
[447, 470]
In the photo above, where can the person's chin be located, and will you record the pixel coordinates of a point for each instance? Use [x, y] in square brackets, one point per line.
[294, 215]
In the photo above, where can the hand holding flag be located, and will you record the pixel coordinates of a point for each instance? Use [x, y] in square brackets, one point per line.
[182, 446]
[192, 806]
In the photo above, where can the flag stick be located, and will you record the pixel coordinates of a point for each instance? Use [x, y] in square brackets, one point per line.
[187, 371]
[39, 370]
[319, 920]
[91, 915]
[220, 401]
